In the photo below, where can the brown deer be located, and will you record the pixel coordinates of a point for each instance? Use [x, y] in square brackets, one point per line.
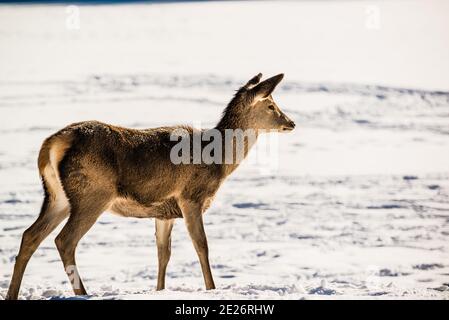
[91, 167]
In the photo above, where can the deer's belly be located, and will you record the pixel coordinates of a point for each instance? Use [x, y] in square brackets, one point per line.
[167, 209]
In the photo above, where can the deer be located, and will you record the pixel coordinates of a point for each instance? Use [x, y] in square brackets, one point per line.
[90, 167]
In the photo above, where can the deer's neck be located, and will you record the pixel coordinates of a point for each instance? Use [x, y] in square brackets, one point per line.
[238, 137]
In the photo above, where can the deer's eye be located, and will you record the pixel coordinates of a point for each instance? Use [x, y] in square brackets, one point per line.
[271, 107]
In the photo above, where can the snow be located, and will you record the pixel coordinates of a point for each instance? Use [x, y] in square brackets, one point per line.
[358, 206]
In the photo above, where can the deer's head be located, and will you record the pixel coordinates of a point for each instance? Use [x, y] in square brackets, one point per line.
[260, 109]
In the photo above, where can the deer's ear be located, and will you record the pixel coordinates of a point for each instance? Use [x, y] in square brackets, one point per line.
[265, 88]
[253, 81]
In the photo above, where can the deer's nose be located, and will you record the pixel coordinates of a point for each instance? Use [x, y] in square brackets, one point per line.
[289, 122]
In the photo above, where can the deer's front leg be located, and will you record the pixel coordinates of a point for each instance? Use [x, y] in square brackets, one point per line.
[194, 221]
[163, 240]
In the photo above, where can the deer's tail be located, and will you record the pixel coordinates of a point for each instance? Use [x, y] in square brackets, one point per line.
[50, 155]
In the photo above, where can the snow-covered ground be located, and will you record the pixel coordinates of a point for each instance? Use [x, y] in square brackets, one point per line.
[359, 204]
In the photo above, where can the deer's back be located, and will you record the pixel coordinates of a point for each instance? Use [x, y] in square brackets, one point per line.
[135, 166]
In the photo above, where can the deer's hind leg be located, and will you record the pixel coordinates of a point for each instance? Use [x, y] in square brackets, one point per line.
[53, 211]
[86, 207]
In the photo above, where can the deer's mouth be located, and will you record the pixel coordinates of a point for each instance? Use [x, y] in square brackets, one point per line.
[287, 128]
[288, 125]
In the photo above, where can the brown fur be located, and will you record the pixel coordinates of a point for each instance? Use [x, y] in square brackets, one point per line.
[90, 167]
